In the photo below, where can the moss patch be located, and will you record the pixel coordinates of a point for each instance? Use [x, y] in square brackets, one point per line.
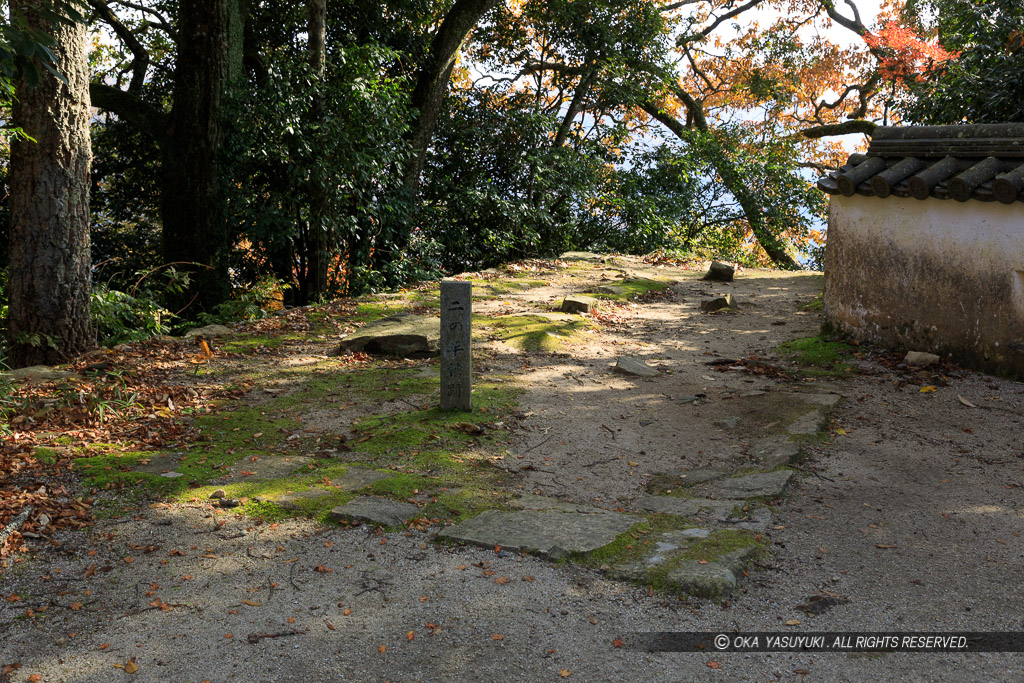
[819, 356]
[627, 290]
[530, 332]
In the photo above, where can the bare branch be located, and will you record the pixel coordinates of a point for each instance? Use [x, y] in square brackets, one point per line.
[141, 62]
[163, 24]
[844, 128]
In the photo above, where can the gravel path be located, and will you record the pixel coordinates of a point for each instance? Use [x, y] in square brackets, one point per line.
[911, 517]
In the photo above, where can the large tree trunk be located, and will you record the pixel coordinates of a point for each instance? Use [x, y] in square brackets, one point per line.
[49, 319]
[209, 64]
[319, 257]
[433, 78]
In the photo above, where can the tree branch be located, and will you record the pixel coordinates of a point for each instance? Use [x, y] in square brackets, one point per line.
[141, 62]
[128, 107]
[844, 128]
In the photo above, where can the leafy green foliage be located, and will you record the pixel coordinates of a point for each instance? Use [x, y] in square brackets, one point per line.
[138, 314]
[284, 148]
[983, 84]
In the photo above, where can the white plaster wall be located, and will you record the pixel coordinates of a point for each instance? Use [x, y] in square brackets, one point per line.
[935, 275]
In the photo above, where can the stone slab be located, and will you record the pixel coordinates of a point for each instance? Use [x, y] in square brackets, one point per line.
[36, 373]
[208, 331]
[358, 478]
[826, 400]
[404, 334]
[774, 451]
[373, 510]
[578, 304]
[292, 500]
[159, 463]
[683, 507]
[551, 533]
[267, 467]
[807, 424]
[549, 503]
[769, 484]
[630, 365]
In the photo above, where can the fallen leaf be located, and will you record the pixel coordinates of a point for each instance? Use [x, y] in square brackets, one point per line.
[793, 622]
[927, 389]
[565, 673]
[884, 547]
[347, 611]
[965, 401]
[528, 578]
[229, 635]
[462, 567]
[76, 606]
[382, 649]
[424, 598]
[497, 636]
[186, 577]
[34, 678]
[131, 667]
[501, 580]
[618, 642]
[104, 646]
[252, 603]
[330, 625]
[714, 665]
[633, 464]
[290, 620]
[411, 635]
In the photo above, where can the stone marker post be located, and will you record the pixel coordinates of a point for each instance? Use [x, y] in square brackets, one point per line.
[456, 359]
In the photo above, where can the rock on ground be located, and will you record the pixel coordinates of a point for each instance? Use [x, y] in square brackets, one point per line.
[404, 334]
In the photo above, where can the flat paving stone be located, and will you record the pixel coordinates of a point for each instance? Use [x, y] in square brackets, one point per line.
[712, 579]
[549, 503]
[807, 424]
[358, 478]
[292, 500]
[683, 507]
[159, 463]
[774, 451]
[267, 467]
[768, 484]
[552, 533]
[827, 400]
[374, 510]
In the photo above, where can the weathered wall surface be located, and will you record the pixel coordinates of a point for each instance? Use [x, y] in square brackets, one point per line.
[939, 276]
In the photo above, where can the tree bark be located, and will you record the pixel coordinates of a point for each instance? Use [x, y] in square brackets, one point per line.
[195, 227]
[49, 320]
[318, 229]
[748, 201]
[432, 82]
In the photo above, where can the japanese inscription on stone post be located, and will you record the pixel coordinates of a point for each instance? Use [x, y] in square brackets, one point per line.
[456, 360]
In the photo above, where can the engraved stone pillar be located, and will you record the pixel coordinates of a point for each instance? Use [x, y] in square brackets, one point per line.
[456, 359]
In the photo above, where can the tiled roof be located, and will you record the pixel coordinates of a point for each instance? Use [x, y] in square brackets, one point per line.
[983, 162]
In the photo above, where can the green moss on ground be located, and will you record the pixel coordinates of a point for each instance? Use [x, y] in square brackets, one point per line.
[819, 356]
[530, 332]
[627, 290]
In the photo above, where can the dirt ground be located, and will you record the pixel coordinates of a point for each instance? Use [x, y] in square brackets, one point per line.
[907, 510]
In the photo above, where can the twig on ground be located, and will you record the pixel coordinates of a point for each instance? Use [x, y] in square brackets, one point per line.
[537, 445]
